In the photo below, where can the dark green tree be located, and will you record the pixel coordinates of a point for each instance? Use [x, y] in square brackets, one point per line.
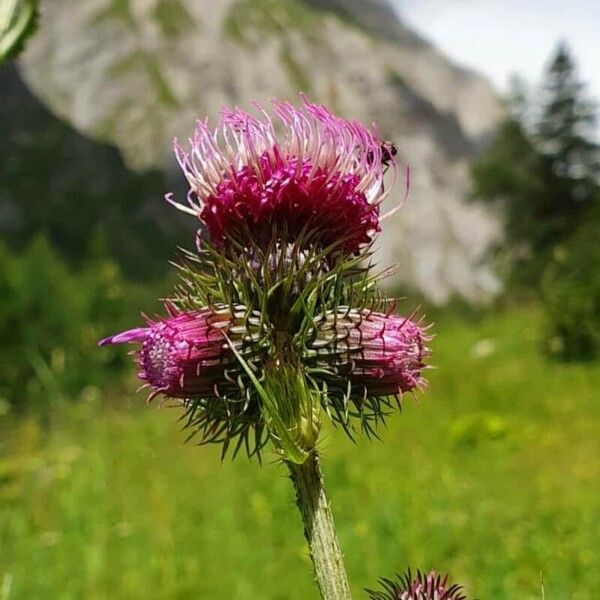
[543, 174]
[514, 175]
[566, 128]
[571, 293]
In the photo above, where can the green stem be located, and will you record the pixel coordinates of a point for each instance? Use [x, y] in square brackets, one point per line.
[319, 529]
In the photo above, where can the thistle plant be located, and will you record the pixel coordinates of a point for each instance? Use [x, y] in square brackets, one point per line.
[277, 322]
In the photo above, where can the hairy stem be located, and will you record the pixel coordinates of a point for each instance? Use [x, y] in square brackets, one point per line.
[319, 529]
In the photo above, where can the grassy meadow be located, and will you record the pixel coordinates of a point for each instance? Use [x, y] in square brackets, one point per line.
[492, 475]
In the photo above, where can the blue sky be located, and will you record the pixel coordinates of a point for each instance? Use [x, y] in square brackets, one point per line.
[500, 37]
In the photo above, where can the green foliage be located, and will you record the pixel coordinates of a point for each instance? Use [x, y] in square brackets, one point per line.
[545, 175]
[109, 503]
[571, 292]
[51, 321]
[514, 174]
[18, 21]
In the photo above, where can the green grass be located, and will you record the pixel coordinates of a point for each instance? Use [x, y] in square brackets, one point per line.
[492, 475]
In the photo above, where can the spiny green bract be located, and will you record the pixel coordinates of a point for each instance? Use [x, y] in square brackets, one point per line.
[280, 392]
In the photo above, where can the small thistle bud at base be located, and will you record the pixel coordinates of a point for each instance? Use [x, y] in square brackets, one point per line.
[431, 586]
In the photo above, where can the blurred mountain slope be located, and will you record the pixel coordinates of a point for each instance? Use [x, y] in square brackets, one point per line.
[135, 73]
[376, 17]
[76, 190]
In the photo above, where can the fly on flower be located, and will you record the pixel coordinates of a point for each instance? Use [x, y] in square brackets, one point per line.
[388, 152]
[288, 172]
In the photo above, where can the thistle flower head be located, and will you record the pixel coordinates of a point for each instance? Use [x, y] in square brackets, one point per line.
[431, 586]
[275, 320]
[291, 172]
[380, 354]
[186, 355]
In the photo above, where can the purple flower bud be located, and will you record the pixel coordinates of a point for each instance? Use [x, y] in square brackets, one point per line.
[381, 354]
[299, 170]
[186, 355]
[432, 586]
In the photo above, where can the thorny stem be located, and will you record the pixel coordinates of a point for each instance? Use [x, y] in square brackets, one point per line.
[319, 529]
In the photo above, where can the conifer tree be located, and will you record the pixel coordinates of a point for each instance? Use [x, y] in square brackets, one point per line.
[545, 174]
[566, 130]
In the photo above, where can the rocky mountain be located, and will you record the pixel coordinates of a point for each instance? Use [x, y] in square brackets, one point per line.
[134, 73]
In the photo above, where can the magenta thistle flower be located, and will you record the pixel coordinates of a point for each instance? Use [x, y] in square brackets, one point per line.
[432, 586]
[381, 354]
[293, 172]
[186, 355]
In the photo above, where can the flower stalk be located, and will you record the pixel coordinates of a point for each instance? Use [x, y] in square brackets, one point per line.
[319, 529]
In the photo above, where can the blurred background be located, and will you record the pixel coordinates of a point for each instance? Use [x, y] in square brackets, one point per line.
[491, 475]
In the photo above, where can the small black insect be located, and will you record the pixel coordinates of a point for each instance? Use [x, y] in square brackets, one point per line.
[388, 151]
